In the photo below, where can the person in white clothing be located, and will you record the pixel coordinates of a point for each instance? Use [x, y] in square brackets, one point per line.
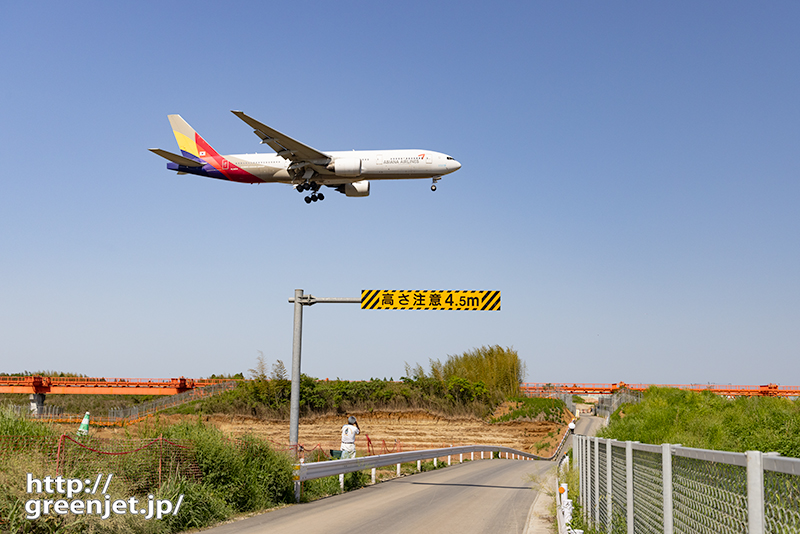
[349, 432]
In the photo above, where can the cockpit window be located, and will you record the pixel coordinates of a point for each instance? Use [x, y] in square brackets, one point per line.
[448, 157]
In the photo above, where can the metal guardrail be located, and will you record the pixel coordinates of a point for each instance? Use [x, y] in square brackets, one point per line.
[634, 487]
[311, 471]
[314, 470]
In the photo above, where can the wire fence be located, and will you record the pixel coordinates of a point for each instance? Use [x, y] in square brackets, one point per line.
[143, 463]
[673, 489]
[552, 393]
[608, 404]
[123, 416]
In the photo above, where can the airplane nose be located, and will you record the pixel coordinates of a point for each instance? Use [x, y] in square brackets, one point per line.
[453, 165]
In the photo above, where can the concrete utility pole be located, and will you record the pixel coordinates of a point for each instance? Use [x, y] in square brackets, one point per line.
[299, 301]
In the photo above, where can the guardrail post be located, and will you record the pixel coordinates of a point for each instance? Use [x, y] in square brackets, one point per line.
[448, 461]
[419, 465]
[461, 458]
[755, 492]
[435, 463]
[297, 483]
[666, 478]
[373, 475]
[609, 486]
[398, 469]
[629, 483]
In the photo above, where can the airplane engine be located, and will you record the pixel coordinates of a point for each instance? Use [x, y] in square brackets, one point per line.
[346, 167]
[356, 189]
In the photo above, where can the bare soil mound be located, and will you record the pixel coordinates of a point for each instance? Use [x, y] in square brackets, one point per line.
[387, 431]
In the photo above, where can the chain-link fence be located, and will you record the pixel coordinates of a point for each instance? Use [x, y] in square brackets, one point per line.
[554, 393]
[673, 489]
[608, 404]
[122, 416]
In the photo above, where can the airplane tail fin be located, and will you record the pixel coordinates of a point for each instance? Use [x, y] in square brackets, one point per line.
[192, 145]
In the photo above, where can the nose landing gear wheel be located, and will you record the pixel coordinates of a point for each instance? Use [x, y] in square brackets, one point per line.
[433, 187]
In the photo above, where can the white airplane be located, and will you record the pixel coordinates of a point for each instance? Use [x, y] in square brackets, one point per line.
[301, 166]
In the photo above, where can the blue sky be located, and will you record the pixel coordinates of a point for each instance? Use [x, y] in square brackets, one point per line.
[629, 182]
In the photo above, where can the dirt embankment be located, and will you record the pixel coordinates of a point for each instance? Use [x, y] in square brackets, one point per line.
[387, 431]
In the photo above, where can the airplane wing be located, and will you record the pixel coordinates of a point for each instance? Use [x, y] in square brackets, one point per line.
[180, 160]
[284, 145]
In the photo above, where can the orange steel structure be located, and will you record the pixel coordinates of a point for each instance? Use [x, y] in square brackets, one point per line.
[768, 390]
[102, 386]
[171, 386]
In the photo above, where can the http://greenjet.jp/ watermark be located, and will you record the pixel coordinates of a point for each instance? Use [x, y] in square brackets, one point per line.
[80, 497]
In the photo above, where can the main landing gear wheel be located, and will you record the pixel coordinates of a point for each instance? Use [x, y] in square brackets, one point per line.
[314, 197]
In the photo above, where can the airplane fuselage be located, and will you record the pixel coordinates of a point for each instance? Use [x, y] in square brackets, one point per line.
[374, 165]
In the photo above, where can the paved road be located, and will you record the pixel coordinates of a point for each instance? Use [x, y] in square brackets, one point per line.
[588, 425]
[474, 497]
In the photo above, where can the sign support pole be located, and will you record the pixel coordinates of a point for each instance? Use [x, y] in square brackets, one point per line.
[294, 414]
[299, 301]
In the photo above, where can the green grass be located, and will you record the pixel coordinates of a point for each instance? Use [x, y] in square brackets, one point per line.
[13, 425]
[238, 476]
[708, 421]
[534, 409]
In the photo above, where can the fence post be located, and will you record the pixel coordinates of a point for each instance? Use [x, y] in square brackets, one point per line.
[629, 483]
[666, 478]
[373, 475]
[755, 492]
[583, 472]
[596, 481]
[609, 486]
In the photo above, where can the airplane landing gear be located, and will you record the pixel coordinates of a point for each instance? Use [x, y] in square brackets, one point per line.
[435, 179]
[314, 188]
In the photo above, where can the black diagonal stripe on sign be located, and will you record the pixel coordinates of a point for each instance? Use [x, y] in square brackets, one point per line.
[371, 298]
[490, 302]
[494, 304]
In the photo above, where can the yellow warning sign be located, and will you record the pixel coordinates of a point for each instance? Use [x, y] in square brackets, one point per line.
[429, 299]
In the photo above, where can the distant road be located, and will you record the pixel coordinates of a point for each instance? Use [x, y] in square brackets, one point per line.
[588, 425]
[474, 497]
